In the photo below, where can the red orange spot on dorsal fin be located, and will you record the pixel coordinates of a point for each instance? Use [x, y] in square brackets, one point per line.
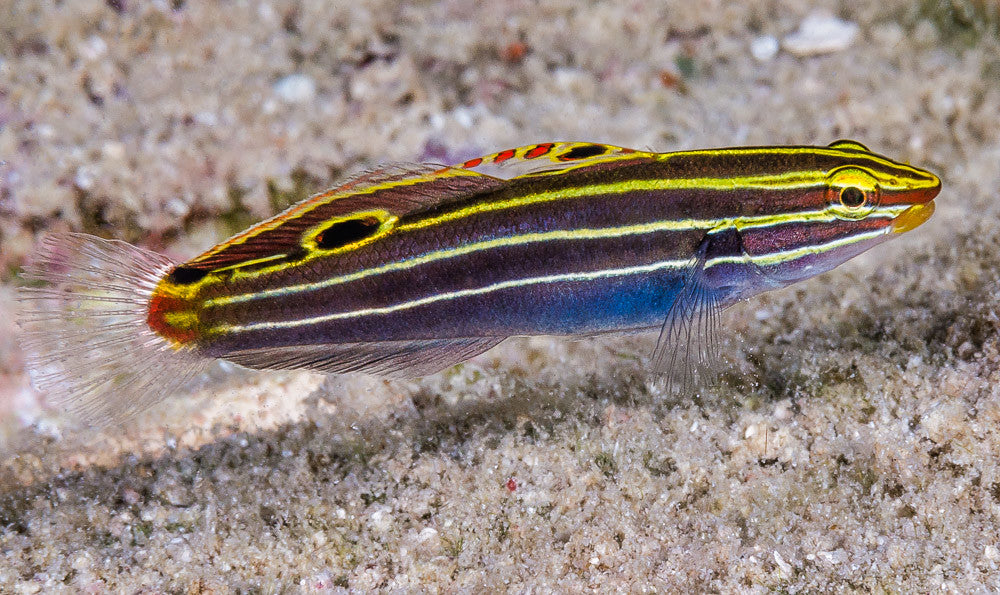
[396, 189]
[538, 151]
[549, 158]
[503, 156]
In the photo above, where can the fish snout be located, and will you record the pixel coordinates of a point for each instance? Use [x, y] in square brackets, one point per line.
[921, 209]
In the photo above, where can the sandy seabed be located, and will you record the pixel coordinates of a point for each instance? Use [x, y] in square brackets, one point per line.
[853, 442]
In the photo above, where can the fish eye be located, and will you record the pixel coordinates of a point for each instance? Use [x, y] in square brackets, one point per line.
[852, 192]
[852, 197]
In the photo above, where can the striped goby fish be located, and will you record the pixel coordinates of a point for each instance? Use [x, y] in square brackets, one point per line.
[406, 270]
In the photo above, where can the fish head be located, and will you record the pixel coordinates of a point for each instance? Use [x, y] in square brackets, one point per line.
[869, 186]
[851, 200]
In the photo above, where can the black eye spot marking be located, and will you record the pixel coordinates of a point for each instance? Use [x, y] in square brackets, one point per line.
[583, 152]
[183, 275]
[852, 197]
[346, 232]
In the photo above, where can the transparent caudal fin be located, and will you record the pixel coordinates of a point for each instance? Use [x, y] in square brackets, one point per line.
[83, 327]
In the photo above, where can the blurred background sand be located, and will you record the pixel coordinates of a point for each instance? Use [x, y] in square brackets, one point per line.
[851, 446]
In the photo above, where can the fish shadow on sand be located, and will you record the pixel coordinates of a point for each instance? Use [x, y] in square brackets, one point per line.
[905, 309]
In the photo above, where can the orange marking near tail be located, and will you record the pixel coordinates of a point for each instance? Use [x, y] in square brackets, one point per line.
[159, 307]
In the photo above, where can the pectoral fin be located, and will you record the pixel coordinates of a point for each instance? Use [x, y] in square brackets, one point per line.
[687, 352]
[687, 348]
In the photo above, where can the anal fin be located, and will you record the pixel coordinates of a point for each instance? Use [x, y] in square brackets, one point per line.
[394, 359]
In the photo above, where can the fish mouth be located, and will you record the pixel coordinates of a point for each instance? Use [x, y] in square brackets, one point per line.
[918, 213]
[912, 217]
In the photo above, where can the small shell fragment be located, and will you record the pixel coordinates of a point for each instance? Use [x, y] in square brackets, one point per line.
[764, 48]
[295, 88]
[821, 34]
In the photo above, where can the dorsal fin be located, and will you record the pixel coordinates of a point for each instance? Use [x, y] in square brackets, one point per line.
[395, 189]
[547, 158]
